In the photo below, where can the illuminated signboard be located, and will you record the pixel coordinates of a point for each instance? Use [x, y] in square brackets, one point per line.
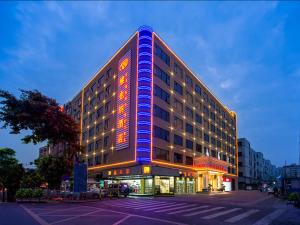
[210, 163]
[123, 102]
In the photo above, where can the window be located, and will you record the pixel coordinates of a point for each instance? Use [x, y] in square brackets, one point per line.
[100, 80]
[178, 88]
[212, 128]
[99, 127]
[98, 159]
[199, 148]
[108, 74]
[92, 117]
[161, 154]
[212, 116]
[91, 132]
[189, 81]
[92, 102]
[106, 124]
[161, 113]
[161, 133]
[162, 75]
[189, 112]
[91, 146]
[178, 140]
[100, 112]
[189, 97]
[213, 140]
[198, 133]
[106, 139]
[85, 108]
[178, 123]
[178, 71]
[107, 107]
[206, 137]
[161, 54]
[198, 105]
[188, 160]
[107, 90]
[178, 158]
[198, 89]
[98, 144]
[205, 96]
[189, 144]
[198, 118]
[213, 153]
[189, 128]
[161, 94]
[205, 111]
[178, 105]
[90, 162]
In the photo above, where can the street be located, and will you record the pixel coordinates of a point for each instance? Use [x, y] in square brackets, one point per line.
[247, 208]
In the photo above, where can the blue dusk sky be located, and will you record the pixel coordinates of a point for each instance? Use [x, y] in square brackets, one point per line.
[247, 53]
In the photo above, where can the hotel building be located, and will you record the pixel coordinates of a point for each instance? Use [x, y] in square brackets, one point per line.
[147, 119]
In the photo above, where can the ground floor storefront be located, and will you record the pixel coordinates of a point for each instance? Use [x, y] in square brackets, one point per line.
[155, 180]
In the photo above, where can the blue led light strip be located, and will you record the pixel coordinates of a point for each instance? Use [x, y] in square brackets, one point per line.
[144, 96]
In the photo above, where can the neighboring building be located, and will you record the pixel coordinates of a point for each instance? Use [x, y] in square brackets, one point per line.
[253, 168]
[148, 120]
[290, 178]
[54, 150]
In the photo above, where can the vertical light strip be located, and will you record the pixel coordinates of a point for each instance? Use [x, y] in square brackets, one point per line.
[81, 116]
[144, 96]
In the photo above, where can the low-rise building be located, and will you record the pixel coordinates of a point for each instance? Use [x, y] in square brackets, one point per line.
[254, 169]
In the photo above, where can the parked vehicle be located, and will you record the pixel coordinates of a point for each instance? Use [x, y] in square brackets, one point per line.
[118, 189]
[270, 190]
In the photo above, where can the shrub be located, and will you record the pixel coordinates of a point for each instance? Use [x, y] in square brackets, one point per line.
[29, 193]
[294, 197]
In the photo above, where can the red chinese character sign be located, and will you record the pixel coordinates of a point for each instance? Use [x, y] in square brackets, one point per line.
[123, 102]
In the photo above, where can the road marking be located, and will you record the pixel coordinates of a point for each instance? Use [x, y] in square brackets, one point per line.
[270, 217]
[142, 205]
[60, 210]
[220, 213]
[191, 209]
[152, 206]
[74, 217]
[122, 220]
[35, 216]
[180, 207]
[204, 211]
[241, 216]
[139, 216]
[164, 207]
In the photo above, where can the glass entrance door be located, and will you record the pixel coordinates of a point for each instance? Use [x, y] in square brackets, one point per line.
[164, 186]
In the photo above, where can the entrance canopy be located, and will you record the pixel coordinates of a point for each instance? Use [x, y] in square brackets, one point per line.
[210, 163]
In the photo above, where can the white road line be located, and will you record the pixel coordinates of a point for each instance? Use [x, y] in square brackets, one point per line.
[220, 213]
[122, 220]
[151, 206]
[140, 216]
[180, 207]
[60, 210]
[204, 211]
[164, 207]
[187, 210]
[131, 203]
[145, 205]
[241, 216]
[270, 217]
[35, 216]
[74, 217]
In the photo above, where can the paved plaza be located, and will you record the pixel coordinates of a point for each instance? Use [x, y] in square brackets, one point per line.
[247, 208]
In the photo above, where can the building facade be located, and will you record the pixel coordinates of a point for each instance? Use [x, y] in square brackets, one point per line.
[148, 120]
[254, 169]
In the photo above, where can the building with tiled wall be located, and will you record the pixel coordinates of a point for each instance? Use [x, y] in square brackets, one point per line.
[147, 119]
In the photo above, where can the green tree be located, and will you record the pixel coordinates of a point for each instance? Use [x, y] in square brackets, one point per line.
[41, 115]
[31, 179]
[52, 169]
[11, 172]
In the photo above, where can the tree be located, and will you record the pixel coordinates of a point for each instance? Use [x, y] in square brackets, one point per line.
[31, 179]
[52, 169]
[43, 116]
[10, 172]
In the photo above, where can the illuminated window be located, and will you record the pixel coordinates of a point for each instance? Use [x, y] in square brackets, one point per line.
[146, 169]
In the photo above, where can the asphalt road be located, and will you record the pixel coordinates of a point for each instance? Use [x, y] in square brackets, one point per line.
[247, 208]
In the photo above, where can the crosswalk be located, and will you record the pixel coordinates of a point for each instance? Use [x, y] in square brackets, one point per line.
[228, 215]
